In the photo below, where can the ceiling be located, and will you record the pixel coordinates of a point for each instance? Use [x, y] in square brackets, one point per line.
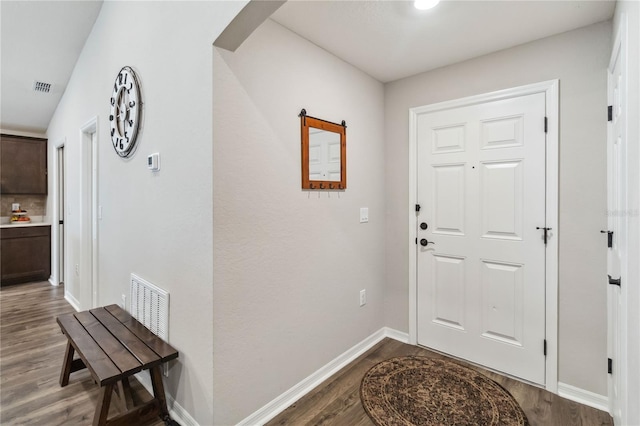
[40, 41]
[389, 40]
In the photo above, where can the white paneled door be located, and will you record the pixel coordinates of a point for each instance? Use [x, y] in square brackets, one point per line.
[480, 234]
[616, 223]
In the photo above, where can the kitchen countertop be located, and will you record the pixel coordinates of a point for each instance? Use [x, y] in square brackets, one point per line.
[5, 222]
[23, 225]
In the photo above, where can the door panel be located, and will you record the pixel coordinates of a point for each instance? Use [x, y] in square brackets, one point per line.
[616, 221]
[502, 301]
[501, 186]
[448, 199]
[449, 289]
[481, 285]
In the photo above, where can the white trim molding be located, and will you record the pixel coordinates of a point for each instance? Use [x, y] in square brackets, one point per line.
[278, 405]
[551, 90]
[176, 411]
[54, 188]
[88, 213]
[582, 396]
[72, 300]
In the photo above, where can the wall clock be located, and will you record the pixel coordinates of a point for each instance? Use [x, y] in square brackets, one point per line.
[126, 112]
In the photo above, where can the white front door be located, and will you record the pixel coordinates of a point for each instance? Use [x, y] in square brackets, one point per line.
[481, 275]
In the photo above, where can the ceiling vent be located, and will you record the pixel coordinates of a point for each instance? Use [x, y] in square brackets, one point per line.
[39, 86]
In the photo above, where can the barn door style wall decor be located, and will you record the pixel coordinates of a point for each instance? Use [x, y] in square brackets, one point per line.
[324, 153]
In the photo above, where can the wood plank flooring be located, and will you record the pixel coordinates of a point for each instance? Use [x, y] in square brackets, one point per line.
[32, 349]
[337, 400]
[31, 354]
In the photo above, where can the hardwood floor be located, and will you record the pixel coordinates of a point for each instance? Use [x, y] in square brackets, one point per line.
[32, 349]
[31, 354]
[337, 400]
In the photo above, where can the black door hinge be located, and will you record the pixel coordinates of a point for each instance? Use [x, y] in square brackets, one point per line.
[546, 233]
[610, 113]
[609, 366]
[609, 238]
[544, 349]
[614, 281]
[417, 207]
[546, 124]
[416, 241]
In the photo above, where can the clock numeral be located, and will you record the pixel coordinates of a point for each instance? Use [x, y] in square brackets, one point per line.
[115, 87]
[120, 79]
[113, 131]
[125, 78]
[111, 118]
[121, 144]
[132, 104]
[130, 122]
[113, 101]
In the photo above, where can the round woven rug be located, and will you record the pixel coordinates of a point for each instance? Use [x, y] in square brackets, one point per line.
[415, 390]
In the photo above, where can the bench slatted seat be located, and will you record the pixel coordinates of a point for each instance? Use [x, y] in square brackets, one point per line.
[113, 345]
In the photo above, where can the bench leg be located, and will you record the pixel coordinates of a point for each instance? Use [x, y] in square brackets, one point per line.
[158, 390]
[66, 365]
[126, 391]
[102, 408]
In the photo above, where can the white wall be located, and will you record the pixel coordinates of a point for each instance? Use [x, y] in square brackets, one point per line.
[156, 225]
[631, 11]
[579, 59]
[289, 263]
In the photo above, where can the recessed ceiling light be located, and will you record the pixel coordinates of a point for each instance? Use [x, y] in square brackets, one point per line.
[425, 4]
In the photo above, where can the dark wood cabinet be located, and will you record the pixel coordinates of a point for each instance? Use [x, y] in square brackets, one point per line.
[23, 165]
[25, 254]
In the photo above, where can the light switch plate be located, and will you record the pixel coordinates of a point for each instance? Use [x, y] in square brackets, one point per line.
[364, 214]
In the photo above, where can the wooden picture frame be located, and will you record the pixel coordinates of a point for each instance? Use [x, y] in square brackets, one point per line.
[324, 153]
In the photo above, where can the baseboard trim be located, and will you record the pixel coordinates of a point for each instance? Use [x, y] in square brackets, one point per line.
[582, 396]
[278, 405]
[176, 411]
[72, 301]
[396, 335]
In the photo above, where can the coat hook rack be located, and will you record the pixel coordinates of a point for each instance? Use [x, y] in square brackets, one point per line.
[318, 135]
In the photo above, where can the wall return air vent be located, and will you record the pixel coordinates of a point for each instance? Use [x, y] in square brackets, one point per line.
[150, 306]
[41, 87]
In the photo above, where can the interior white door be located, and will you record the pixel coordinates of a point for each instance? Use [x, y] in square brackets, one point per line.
[481, 274]
[616, 223]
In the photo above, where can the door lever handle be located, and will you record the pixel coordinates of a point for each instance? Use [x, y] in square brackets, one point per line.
[424, 242]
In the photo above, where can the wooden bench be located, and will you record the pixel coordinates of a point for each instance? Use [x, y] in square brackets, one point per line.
[113, 345]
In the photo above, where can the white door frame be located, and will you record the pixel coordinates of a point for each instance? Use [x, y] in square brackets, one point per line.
[89, 213]
[551, 90]
[59, 263]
